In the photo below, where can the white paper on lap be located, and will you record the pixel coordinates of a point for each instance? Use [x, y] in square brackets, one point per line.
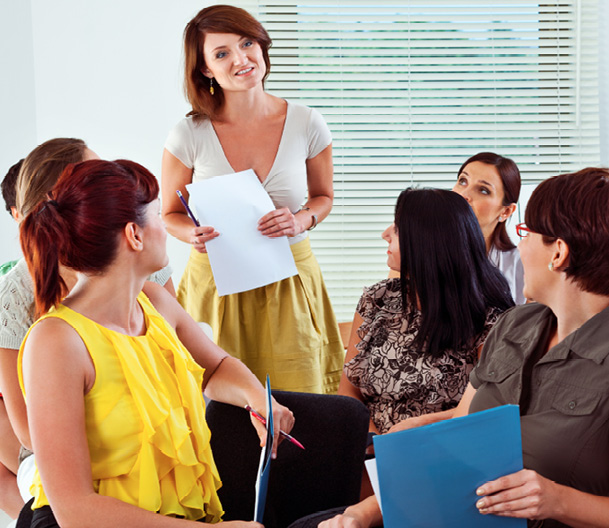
[241, 257]
[373, 475]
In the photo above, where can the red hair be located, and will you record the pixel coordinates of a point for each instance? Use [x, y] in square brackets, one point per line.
[78, 226]
[215, 19]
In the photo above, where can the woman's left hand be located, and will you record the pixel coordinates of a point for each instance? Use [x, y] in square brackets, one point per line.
[524, 494]
[283, 419]
[280, 222]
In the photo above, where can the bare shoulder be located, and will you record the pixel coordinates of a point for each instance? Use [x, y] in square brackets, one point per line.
[54, 331]
[54, 353]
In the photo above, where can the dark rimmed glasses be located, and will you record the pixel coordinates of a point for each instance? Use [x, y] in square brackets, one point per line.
[523, 231]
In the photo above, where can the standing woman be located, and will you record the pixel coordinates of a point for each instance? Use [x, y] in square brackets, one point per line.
[491, 185]
[288, 328]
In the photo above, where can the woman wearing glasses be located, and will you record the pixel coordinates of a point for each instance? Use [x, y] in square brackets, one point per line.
[551, 357]
[491, 185]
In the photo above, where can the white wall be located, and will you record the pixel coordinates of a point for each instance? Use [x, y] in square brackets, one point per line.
[17, 106]
[108, 72]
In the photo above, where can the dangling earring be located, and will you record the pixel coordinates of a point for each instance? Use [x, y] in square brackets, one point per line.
[551, 266]
[211, 86]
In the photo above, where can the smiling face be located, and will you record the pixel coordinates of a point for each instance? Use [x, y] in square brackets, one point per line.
[480, 184]
[236, 63]
[390, 235]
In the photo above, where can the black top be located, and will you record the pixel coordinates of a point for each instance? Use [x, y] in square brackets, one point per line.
[564, 394]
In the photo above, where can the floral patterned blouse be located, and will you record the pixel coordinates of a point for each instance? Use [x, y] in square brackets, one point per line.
[397, 381]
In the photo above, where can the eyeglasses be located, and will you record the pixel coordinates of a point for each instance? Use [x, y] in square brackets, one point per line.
[523, 231]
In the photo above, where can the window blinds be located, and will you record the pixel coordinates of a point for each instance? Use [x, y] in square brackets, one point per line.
[410, 90]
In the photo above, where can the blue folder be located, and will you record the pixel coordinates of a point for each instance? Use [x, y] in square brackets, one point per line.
[264, 468]
[428, 476]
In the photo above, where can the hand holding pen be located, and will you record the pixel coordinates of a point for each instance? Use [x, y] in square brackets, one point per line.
[185, 204]
[262, 420]
[200, 234]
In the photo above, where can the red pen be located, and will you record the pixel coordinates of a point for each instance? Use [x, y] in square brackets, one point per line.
[262, 420]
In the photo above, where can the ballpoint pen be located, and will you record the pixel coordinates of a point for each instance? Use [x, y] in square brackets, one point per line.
[262, 420]
[192, 216]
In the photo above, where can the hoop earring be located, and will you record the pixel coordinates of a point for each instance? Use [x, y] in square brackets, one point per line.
[211, 86]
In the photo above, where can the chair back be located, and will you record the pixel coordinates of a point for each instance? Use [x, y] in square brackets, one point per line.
[325, 475]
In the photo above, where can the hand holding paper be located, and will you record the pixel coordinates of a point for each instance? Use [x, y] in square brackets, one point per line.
[241, 258]
[280, 222]
[200, 235]
[525, 494]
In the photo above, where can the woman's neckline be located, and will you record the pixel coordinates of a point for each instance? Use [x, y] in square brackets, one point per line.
[279, 146]
[117, 332]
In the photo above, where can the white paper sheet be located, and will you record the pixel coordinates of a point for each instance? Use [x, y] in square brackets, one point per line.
[373, 475]
[241, 257]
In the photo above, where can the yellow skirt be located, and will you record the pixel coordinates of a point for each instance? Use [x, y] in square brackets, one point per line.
[286, 329]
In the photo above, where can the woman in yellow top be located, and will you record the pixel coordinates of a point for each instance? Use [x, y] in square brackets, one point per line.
[112, 375]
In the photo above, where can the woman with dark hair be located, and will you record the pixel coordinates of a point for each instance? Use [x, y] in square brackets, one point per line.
[113, 374]
[9, 188]
[491, 185]
[415, 339]
[550, 358]
[288, 328]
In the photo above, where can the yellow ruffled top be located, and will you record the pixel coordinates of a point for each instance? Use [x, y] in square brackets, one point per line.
[145, 419]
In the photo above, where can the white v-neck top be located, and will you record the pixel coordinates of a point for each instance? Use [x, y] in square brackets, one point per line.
[305, 135]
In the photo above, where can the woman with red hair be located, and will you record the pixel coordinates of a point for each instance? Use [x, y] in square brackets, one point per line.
[37, 175]
[112, 375]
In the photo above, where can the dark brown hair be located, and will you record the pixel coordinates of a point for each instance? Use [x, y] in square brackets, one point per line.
[79, 223]
[575, 208]
[41, 170]
[215, 19]
[510, 178]
[9, 186]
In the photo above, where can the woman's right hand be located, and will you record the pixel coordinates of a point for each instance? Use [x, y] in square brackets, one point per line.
[199, 236]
